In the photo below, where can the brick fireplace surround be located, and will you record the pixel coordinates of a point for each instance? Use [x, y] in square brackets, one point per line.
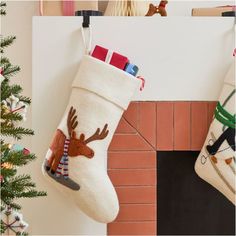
[144, 129]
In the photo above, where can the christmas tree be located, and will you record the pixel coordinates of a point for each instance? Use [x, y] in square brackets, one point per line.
[13, 111]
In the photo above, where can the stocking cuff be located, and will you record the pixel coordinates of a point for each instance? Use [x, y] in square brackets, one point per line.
[105, 80]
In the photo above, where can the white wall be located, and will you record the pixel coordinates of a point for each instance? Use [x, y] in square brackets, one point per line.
[18, 22]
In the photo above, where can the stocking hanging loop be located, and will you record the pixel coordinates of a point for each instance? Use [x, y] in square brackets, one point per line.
[87, 38]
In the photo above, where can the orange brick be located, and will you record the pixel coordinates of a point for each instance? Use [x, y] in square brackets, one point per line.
[139, 194]
[211, 110]
[132, 159]
[125, 128]
[147, 121]
[132, 228]
[127, 177]
[199, 126]
[136, 212]
[124, 142]
[131, 114]
[164, 139]
[182, 125]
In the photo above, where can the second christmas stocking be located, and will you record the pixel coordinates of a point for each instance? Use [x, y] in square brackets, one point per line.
[216, 162]
[100, 94]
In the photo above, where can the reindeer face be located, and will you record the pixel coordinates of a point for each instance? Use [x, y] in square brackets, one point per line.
[79, 147]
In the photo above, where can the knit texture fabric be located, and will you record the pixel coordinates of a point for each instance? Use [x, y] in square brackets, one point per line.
[216, 162]
[100, 94]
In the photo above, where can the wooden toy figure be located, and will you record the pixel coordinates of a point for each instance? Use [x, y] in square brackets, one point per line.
[161, 9]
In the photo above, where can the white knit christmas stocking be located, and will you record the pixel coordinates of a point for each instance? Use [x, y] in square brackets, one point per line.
[100, 94]
[216, 162]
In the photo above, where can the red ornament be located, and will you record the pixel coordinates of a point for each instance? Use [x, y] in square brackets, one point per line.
[26, 151]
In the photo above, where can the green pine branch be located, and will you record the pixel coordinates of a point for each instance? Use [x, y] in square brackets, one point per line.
[12, 116]
[5, 66]
[8, 172]
[22, 234]
[4, 145]
[3, 227]
[4, 60]
[7, 90]
[6, 42]
[16, 132]
[2, 8]
[3, 4]
[17, 187]
[21, 182]
[9, 70]
[13, 205]
[2, 12]
[18, 158]
[24, 99]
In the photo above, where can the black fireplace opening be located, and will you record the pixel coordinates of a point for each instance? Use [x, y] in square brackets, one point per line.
[186, 204]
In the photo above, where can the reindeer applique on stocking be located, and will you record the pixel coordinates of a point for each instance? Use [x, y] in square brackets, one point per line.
[77, 156]
[56, 164]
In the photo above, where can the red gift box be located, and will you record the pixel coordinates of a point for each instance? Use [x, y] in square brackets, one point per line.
[119, 61]
[100, 53]
[116, 60]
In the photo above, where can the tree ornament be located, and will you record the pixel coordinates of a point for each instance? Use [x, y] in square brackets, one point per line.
[13, 222]
[4, 108]
[21, 108]
[18, 147]
[13, 104]
[12, 101]
[7, 165]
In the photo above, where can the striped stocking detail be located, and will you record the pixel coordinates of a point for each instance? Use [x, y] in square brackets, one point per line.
[63, 165]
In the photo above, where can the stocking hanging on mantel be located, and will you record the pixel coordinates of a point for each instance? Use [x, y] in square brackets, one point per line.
[76, 159]
[128, 7]
[216, 162]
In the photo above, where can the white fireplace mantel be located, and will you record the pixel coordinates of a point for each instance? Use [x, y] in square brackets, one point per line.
[181, 58]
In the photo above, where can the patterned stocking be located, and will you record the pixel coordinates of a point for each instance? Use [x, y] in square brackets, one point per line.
[216, 162]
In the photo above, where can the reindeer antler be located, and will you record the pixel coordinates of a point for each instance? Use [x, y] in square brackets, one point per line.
[71, 121]
[97, 135]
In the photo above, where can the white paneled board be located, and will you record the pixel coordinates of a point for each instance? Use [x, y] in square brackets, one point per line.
[181, 58]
